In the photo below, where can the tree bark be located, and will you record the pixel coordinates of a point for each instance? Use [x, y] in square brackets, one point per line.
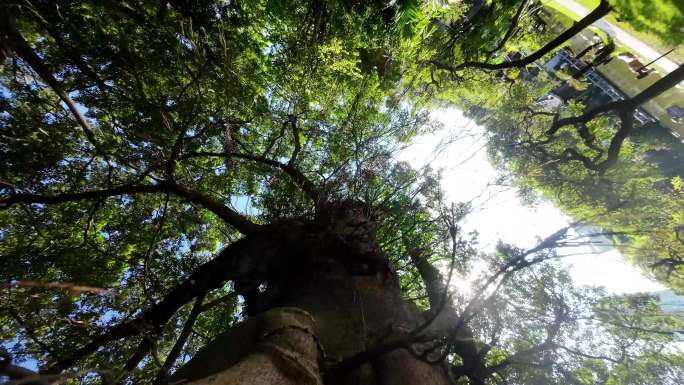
[334, 273]
[278, 346]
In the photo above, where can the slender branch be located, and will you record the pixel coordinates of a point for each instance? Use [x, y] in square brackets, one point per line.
[211, 304]
[180, 342]
[170, 168]
[12, 40]
[353, 362]
[273, 142]
[635, 328]
[295, 140]
[511, 29]
[30, 331]
[669, 263]
[48, 21]
[590, 356]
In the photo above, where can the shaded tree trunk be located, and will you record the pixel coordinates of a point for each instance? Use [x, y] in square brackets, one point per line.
[331, 296]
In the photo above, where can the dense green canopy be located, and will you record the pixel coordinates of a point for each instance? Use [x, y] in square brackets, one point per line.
[139, 139]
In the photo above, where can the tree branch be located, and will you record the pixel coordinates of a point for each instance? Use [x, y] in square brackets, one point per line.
[30, 331]
[665, 83]
[511, 29]
[295, 139]
[12, 40]
[180, 342]
[19, 374]
[6, 202]
[236, 262]
[297, 176]
[601, 10]
[210, 305]
[464, 345]
[232, 217]
[590, 356]
[625, 110]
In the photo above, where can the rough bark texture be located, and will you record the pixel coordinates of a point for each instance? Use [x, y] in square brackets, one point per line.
[333, 271]
[276, 347]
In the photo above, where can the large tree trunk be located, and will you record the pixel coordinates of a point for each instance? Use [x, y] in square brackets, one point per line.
[332, 296]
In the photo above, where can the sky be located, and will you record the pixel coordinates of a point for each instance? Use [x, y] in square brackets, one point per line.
[459, 151]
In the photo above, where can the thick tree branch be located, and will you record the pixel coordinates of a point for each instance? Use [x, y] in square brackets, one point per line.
[671, 264]
[601, 10]
[464, 345]
[297, 176]
[627, 119]
[48, 21]
[625, 110]
[460, 339]
[238, 261]
[19, 374]
[665, 83]
[144, 347]
[232, 217]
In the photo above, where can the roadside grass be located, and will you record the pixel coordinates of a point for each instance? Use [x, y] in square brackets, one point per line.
[565, 22]
[565, 18]
[659, 23]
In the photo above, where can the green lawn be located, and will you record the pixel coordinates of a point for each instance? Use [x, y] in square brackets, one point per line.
[619, 73]
[569, 17]
[660, 23]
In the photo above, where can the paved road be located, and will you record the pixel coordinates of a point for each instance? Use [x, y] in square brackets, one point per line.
[623, 37]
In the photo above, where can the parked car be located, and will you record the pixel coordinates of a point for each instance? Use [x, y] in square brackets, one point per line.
[676, 113]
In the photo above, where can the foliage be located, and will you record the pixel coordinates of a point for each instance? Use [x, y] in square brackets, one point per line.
[140, 139]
